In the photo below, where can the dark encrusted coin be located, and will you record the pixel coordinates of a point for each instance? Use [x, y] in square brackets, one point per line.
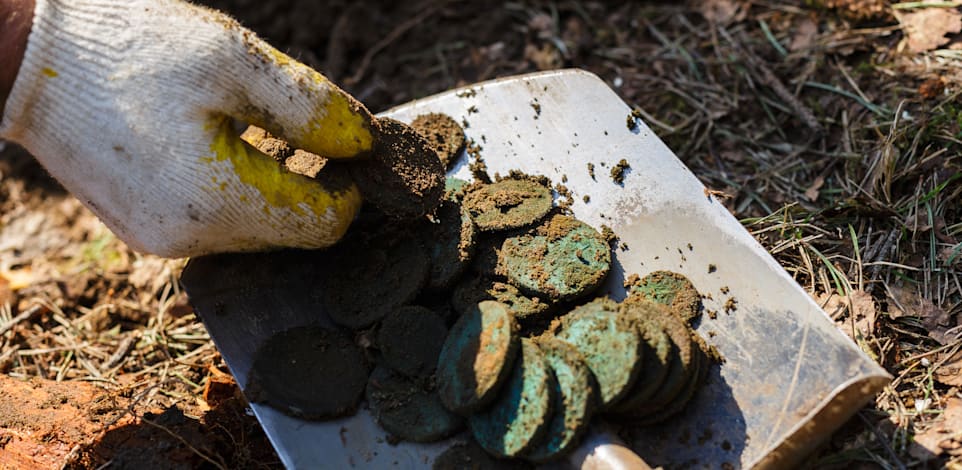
[308, 372]
[408, 409]
[474, 289]
[451, 244]
[519, 417]
[658, 350]
[477, 357]
[370, 278]
[443, 133]
[561, 259]
[671, 289]
[403, 176]
[700, 366]
[680, 369]
[410, 339]
[611, 346]
[508, 204]
[574, 400]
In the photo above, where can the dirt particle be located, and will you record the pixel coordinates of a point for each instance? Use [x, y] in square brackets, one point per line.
[712, 268]
[731, 305]
[586, 198]
[591, 170]
[618, 171]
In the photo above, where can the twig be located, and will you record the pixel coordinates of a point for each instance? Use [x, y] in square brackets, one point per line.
[882, 439]
[769, 79]
[392, 36]
[23, 316]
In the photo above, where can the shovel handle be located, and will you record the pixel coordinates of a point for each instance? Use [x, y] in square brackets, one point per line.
[601, 449]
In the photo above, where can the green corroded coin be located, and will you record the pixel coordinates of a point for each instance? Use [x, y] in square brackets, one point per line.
[574, 400]
[477, 357]
[308, 372]
[611, 347]
[410, 339]
[508, 204]
[671, 289]
[451, 242]
[472, 290]
[371, 278]
[681, 367]
[519, 417]
[658, 350]
[562, 259]
[407, 409]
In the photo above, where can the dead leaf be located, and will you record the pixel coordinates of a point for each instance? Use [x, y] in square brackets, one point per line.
[936, 321]
[932, 88]
[926, 29]
[861, 308]
[950, 372]
[812, 192]
[945, 435]
[804, 35]
[722, 11]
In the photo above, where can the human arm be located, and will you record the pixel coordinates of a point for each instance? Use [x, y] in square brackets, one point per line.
[131, 105]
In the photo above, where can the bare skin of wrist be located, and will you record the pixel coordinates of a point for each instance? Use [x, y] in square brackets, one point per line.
[16, 18]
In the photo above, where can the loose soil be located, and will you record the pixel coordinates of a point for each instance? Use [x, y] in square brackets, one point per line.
[474, 289]
[308, 372]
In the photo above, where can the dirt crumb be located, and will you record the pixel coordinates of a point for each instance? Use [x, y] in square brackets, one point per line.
[591, 170]
[618, 171]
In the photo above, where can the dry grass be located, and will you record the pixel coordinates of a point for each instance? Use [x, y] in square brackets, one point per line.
[811, 121]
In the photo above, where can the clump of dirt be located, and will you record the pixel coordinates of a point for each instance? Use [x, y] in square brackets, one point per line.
[404, 176]
[618, 171]
[309, 372]
[443, 133]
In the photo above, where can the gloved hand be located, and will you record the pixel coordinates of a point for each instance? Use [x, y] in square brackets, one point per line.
[128, 104]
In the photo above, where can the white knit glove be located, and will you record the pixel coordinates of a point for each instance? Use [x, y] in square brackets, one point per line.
[128, 104]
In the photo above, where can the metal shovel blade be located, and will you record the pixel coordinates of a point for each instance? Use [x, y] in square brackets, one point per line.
[789, 376]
